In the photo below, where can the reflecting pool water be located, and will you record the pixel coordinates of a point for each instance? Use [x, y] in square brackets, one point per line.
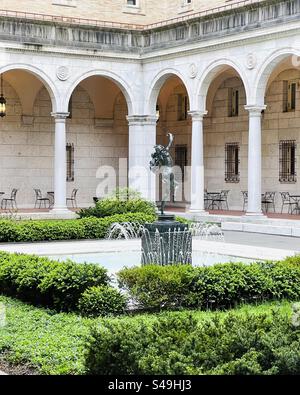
[115, 261]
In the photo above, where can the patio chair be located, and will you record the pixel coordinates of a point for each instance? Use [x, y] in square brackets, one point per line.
[12, 200]
[245, 198]
[207, 200]
[268, 199]
[72, 199]
[221, 198]
[39, 199]
[286, 201]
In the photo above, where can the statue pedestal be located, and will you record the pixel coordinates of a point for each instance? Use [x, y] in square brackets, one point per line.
[166, 242]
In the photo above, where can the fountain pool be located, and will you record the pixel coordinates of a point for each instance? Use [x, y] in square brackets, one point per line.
[115, 261]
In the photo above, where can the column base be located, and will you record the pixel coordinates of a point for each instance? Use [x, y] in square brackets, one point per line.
[62, 213]
[255, 214]
[197, 211]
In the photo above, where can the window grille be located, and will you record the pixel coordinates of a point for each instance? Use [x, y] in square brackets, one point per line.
[70, 162]
[232, 162]
[287, 161]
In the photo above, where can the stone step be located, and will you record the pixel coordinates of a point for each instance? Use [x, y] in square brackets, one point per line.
[278, 229]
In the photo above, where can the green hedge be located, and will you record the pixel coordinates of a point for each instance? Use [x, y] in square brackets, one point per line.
[178, 343]
[113, 206]
[86, 228]
[45, 282]
[102, 301]
[218, 286]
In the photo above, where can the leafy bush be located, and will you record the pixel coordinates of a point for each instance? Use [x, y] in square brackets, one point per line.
[86, 228]
[178, 343]
[121, 202]
[51, 283]
[101, 301]
[223, 285]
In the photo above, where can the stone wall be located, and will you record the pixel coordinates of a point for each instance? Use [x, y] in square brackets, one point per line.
[38, 34]
[147, 11]
[104, 10]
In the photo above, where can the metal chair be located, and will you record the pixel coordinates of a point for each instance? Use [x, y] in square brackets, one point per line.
[39, 199]
[245, 198]
[72, 199]
[286, 201]
[221, 198]
[207, 200]
[11, 200]
[269, 199]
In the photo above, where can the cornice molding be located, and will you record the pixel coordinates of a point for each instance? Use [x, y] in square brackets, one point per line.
[168, 53]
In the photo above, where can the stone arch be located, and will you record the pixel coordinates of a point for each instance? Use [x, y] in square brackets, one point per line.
[40, 75]
[124, 87]
[267, 68]
[211, 72]
[156, 85]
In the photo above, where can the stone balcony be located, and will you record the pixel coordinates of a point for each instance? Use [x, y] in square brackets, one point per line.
[34, 32]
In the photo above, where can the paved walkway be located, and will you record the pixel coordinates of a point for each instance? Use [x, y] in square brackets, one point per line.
[262, 240]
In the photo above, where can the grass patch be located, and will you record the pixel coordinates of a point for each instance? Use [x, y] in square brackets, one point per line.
[49, 342]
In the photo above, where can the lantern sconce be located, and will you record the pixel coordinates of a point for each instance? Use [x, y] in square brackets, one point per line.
[2, 100]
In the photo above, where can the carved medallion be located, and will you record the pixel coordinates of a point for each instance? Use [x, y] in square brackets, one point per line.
[251, 61]
[62, 73]
[193, 70]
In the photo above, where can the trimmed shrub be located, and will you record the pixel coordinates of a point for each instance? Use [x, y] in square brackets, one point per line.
[101, 301]
[156, 287]
[122, 201]
[219, 286]
[45, 282]
[179, 344]
[112, 206]
[87, 228]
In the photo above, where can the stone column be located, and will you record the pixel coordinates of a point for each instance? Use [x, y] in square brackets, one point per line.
[60, 164]
[254, 160]
[142, 138]
[197, 170]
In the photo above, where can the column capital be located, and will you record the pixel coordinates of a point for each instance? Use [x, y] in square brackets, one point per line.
[197, 115]
[142, 120]
[60, 115]
[255, 110]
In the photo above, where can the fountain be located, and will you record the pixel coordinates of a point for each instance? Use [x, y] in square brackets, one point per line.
[166, 241]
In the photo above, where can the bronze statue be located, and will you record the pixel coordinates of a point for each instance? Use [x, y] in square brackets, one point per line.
[162, 160]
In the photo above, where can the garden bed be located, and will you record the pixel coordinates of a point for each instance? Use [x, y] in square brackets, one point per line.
[41, 341]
